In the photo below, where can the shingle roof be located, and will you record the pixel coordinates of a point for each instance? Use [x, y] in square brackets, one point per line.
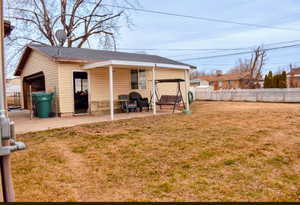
[231, 76]
[84, 55]
[294, 71]
[64, 53]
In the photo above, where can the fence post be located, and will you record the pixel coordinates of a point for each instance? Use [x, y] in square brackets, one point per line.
[31, 104]
[256, 94]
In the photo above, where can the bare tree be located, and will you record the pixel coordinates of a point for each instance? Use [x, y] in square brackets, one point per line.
[252, 68]
[195, 74]
[242, 66]
[86, 23]
[82, 20]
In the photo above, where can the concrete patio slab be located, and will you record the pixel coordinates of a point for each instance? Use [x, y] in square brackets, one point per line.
[24, 124]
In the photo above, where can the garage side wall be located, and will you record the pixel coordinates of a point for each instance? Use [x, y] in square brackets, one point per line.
[36, 63]
[66, 90]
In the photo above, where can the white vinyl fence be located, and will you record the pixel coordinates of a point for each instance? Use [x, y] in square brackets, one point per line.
[252, 95]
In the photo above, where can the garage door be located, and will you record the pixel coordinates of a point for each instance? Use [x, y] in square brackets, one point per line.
[35, 83]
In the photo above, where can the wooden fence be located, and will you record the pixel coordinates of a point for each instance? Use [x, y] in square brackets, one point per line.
[251, 95]
[13, 98]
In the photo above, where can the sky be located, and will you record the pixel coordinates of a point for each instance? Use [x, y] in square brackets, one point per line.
[159, 32]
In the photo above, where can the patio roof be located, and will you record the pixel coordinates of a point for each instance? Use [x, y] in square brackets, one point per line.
[134, 64]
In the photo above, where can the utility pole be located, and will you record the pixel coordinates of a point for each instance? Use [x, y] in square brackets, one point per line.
[7, 134]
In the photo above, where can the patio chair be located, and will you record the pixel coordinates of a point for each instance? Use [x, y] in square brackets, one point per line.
[126, 104]
[141, 102]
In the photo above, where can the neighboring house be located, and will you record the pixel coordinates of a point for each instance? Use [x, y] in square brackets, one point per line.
[199, 83]
[99, 75]
[13, 85]
[293, 78]
[13, 90]
[225, 81]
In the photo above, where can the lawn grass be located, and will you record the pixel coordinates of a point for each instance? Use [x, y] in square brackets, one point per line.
[223, 151]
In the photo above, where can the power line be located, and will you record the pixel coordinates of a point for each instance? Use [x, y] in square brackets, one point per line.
[231, 64]
[239, 53]
[203, 49]
[245, 48]
[181, 49]
[204, 18]
[213, 50]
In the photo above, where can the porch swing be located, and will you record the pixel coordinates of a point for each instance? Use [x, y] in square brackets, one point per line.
[172, 100]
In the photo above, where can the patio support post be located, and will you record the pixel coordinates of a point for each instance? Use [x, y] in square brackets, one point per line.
[153, 90]
[111, 94]
[186, 78]
[89, 92]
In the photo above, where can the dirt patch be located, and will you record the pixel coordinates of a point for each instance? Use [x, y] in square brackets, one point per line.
[76, 167]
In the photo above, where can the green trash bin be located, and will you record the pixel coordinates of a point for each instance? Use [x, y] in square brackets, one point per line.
[43, 103]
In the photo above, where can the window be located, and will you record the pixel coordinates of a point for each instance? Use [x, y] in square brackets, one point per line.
[81, 85]
[134, 79]
[138, 79]
[220, 83]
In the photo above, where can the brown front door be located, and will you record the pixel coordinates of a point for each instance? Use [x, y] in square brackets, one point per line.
[81, 96]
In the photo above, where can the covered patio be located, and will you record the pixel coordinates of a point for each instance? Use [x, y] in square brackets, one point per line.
[112, 66]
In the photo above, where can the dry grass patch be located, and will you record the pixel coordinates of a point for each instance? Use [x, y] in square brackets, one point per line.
[223, 151]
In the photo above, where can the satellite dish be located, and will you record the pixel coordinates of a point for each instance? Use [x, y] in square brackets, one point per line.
[61, 35]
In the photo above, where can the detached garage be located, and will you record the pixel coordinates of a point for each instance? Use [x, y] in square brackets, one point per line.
[91, 81]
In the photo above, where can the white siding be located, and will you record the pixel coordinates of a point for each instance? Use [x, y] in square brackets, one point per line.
[38, 62]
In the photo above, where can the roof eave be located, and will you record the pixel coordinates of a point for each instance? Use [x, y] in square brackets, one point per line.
[133, 63]
[28, 49]
[22, 61]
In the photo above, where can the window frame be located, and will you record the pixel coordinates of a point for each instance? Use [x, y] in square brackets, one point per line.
[139, 83]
